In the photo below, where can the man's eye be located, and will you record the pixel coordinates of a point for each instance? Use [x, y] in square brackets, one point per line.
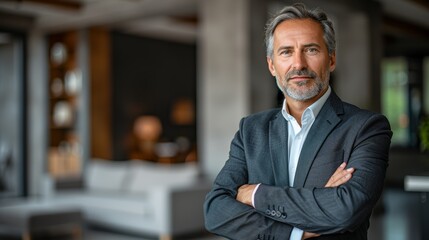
[312, 51]
[286, 53]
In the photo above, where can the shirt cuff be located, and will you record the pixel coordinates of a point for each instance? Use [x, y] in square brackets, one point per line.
[253, 195]
[296, 234]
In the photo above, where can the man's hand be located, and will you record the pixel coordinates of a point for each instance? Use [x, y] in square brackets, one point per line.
[245, 193]
[340, 176]
[308, 235]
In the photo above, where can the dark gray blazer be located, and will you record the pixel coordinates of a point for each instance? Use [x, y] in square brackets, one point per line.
[259, 154]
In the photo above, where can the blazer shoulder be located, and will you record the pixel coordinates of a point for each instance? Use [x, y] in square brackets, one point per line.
[262, 117]
[355, 110]
[363, 115]
[353, 113]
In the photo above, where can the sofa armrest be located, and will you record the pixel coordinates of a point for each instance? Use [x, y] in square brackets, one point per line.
[187, 209]
[179, 209]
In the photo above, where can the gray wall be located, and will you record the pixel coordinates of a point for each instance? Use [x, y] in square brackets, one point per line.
[233, 79]
[37, 112]
[12, 115]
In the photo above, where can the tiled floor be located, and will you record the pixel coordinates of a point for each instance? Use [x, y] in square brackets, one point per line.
[400, 219]
[99, 235]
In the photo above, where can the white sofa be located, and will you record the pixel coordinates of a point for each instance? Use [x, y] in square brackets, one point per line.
[140, 197]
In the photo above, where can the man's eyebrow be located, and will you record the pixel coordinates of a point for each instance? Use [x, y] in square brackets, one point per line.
[311, 45]
[284, 48]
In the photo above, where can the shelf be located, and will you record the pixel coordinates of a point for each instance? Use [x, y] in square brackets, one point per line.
[64, 155]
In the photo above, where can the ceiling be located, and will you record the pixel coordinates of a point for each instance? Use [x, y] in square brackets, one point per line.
[413, 11]
[164, 18]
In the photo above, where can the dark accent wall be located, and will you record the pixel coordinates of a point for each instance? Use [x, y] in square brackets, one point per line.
[148, 76]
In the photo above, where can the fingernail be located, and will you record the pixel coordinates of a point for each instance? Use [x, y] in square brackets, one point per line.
[349, 169]
[348, 176]
[343, 164]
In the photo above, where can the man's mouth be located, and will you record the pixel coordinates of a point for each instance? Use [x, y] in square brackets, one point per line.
[300, 78]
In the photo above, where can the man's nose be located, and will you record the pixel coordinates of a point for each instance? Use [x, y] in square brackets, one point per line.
[299, 61]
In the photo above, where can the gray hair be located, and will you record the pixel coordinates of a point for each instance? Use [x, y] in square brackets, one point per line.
[299, 11]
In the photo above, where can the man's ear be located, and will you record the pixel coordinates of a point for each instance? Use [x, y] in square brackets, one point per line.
[271, 66]
[332, 61]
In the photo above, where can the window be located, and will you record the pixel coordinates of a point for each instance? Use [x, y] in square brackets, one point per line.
[405, 87]
[394, 98]
[426, 86]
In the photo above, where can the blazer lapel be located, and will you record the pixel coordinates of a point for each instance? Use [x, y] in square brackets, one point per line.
[279, 150]
[325, 122]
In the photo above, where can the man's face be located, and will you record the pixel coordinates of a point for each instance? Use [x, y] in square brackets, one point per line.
[300, 61]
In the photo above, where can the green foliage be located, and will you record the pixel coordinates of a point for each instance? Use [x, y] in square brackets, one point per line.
[424, 133]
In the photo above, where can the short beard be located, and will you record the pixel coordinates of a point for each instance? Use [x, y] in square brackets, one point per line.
[303, 95]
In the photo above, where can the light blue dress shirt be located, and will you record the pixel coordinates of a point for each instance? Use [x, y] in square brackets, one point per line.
[296, 137]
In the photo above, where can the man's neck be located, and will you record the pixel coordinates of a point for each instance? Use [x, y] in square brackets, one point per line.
[296, 108]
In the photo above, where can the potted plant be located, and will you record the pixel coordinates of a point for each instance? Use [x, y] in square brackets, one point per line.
[424, 134]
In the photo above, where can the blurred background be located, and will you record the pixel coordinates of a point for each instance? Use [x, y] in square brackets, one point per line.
[167, 81]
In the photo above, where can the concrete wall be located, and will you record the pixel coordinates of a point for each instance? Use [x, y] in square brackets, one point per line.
[12, 115]
[223, 80]
[37, 111]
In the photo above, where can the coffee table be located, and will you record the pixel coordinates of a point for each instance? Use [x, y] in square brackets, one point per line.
[28, 217]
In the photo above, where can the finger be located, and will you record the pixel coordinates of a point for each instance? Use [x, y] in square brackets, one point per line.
[342, 180]
[336, 175]
[340, 169]
[342, 177]
[308, 235]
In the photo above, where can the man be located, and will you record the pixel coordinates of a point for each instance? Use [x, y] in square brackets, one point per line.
[314, 168]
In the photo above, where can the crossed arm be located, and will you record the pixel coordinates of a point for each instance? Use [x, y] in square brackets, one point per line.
[340, 176]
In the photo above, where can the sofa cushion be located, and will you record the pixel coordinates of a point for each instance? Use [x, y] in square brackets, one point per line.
[92, 201]
[106, 175]
[146, 175]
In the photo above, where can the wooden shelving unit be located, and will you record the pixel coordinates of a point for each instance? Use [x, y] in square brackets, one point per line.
[65, 81]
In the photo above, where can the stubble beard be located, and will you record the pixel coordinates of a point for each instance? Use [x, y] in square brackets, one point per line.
[298, 91]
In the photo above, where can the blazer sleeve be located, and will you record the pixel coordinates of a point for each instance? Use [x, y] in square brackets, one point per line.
[227, 217]
[344, 208]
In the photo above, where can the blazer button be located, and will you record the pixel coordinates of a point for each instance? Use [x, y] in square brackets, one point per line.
[283, 215]
[278, 214]
[273, 213]
[268, 212]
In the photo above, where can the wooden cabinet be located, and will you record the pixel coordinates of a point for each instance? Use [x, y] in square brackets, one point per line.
[65, 84]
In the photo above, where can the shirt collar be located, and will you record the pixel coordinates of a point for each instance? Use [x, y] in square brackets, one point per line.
[314, 108]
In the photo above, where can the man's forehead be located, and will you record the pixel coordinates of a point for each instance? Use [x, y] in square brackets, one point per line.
[305, 30]
[295, 26]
